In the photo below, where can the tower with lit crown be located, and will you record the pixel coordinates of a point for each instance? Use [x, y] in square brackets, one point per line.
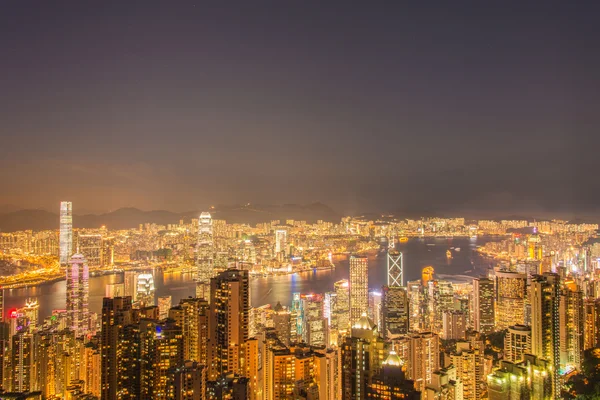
[66, 232]
[395, 269]
[78, 295]
[204, 256]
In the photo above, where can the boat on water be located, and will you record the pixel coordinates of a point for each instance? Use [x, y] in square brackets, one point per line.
[430, 244]
[403, 239]
[457, 249]
[448, 254]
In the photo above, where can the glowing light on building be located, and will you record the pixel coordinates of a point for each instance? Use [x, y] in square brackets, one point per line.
[66, 232]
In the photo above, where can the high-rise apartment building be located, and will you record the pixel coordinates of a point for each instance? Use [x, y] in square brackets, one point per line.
[116, 315]
[281, 241]
[192, 316]
[91, 245]
[591, 334]
[545, 323]
[483, 305]
[66, 232]
[571, 326]
[423, 358]
[517, 343]
[359, 288]
[229, 306]
[454, 325]
[205, 250]
[78, 295]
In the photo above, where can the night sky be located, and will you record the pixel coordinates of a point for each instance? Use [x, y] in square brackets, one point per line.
[489, 107]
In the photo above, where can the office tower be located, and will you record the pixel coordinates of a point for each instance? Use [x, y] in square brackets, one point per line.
[517, 343]
[571, 326]
[545, 323]
[511, 290]
[116, 314]
[108, 252]
[90, 245]
[78, 295]
[591, 334]
[130, 283]
[314, 323]
[192, 316]
[375, 307]
[164, 305]
[395, 269]
[454, 325]
[281, 241]
[361, 358]
[423, 358]
[205, 250]
[22, 360]
[415, 305]
[229, 306]
[145, 290]
[391, 383]
[114, 290]
[359, 288]
[394, 311]
[190, 382]
[66, 232]
[342, 305]
[32, 313]
[161, 346]
[483, 305]
[441, 299]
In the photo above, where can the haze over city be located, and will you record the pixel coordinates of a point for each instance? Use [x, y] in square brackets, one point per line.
[458, 107]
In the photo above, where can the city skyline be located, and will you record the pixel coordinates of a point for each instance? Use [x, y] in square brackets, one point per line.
[459, 107]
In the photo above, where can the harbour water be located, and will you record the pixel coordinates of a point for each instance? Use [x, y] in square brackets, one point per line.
[417, 253]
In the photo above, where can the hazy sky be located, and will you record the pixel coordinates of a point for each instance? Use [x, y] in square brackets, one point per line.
[178, 104]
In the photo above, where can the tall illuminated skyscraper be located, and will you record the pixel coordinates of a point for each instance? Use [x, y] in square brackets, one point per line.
[395, 269]
[66, 232]
[78, 295]
[545, 323]
[511, 290]
[359, 288]
[229, 309]
[483, 305]
[342, 305]
[280, 241]
[204, 256]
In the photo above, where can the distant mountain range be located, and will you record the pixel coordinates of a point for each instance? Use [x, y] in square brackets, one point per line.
[126, 218]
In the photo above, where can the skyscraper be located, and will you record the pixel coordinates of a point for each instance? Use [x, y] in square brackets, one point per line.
[483, 305]
[342, 305]
[116, 315]
[78, 295]
[204, 256]
[545, 323]
[517, 343]
[145, 290]
[280, 241]
[511, 290]
[571, 326]
[394, 311]
[229, 306]
[395, 269]
[66, 232]
[359, 288]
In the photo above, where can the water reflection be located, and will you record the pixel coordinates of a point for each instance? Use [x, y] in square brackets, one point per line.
[418, 253]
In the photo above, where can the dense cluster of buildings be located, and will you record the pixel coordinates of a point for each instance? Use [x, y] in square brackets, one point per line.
[429, 338]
